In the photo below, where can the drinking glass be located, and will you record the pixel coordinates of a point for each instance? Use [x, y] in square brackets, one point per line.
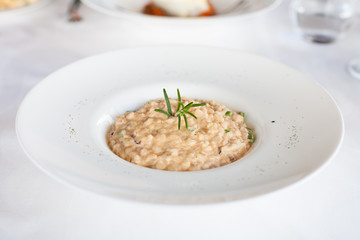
[322, 21]
[354, 67]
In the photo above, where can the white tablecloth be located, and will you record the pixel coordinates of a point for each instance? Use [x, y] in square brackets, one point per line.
[34, 206]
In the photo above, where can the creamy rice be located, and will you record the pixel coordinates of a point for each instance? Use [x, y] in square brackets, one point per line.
[152, 139]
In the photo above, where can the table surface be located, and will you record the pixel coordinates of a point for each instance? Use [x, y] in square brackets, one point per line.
[34, 206]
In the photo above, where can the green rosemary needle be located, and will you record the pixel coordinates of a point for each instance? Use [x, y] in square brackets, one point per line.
[181, 109]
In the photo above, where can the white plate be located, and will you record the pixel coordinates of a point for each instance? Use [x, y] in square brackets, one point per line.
[61, 123]
[22, 10]
[224, 8]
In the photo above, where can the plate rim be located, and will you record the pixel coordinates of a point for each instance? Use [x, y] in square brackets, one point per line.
[177, 20]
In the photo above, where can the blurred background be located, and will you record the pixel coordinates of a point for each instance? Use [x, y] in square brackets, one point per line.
[33, 206]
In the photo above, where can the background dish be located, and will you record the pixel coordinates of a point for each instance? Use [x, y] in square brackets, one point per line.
[224, 8]
[25, 9]
[61, 123]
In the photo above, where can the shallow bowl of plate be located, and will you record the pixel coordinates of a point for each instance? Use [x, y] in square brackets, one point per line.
[62, 122]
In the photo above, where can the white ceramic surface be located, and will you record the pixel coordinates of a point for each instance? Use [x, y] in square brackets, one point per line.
[61, 123]
[224, 8]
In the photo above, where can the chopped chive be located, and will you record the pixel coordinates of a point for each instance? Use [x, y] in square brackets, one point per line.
[249, 129]
[228, 113]
[227, 130]
[251, 138]
[242, 114]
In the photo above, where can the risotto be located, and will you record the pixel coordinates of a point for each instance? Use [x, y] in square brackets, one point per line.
[210, 136]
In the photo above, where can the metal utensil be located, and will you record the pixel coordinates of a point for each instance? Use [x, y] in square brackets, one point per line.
[74, 15]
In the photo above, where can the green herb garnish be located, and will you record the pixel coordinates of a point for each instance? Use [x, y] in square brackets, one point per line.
[228, 113]
[162, 111]
[167, 102]
[181, 110]
[242, 114]
[227, 130]
[251, 138]
[249, 129]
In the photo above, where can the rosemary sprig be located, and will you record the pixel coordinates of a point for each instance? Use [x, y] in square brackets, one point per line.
[167, 102]
[181, 109]
[162, 111]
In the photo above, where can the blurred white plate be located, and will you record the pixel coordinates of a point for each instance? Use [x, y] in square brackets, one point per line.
[23, 10]
[61, 123]
[224, 8]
